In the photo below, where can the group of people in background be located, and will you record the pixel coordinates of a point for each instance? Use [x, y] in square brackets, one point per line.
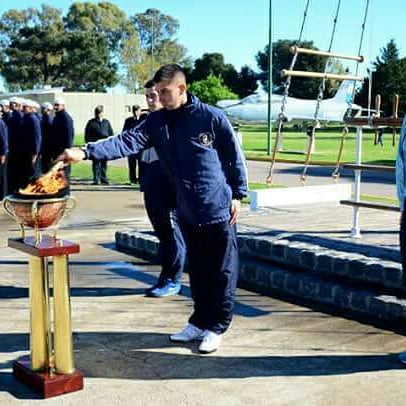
[31, 137]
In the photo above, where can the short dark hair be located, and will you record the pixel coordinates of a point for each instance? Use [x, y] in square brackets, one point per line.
[149, 84]
[98, 110]
[166, 73]
[136, 107]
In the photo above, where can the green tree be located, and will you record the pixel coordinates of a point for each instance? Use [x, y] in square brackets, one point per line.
[157, 46]
[390, 53]
[103, 19]
[39, 48]
[241, 83]
[211, 90]
[281, 59]
[32, 47]
[388, 79]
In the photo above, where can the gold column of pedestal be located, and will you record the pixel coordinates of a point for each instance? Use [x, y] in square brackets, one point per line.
[63, 346]
[39, 314]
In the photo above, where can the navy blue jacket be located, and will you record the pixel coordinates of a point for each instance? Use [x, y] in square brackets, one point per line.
[97, 130]
[197, 144]
[3, 138]
[6, 116]
[30, 136]
[46, 125]
[14, 131]
[62, 133]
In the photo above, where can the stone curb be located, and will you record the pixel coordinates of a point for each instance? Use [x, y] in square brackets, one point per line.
[328, 260]
[325, 283]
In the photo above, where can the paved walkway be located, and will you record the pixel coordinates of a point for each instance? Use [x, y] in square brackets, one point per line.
[276, 353]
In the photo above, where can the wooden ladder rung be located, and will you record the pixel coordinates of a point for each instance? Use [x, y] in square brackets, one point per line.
[364, 167]
[374, 122]
[369, 205]
[306, 74]
[298, 50]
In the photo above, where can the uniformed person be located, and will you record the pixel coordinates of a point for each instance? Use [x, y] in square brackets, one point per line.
[160, 204]
[46, 125]
[198, 146]
[5, 107]
[129, 123]
[14, 132]
[3, 156]
[27, 145]
[62, 133]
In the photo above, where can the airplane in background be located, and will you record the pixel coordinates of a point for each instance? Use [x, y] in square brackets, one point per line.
[254, 107]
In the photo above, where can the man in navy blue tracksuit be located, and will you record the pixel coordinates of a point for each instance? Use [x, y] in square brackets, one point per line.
[160, 204]
[196, 143]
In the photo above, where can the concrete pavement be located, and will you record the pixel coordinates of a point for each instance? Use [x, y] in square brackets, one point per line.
[276, 353]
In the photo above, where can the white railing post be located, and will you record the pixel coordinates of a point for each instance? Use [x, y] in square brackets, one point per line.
[356, 231]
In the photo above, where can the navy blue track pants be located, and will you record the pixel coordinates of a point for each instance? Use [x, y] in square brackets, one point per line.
[213, 268]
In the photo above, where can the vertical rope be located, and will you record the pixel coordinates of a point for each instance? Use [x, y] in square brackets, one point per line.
[286, 85]
[320, 96]
[336, 172]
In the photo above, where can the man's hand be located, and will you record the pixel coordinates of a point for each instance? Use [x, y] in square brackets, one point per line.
[234, 210]
[71, 155]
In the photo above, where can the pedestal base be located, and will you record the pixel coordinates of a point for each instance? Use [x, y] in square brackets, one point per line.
[45, 384]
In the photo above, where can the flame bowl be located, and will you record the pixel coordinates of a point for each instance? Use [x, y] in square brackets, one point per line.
[37, 213]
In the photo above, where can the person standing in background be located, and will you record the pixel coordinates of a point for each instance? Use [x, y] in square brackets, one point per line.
[46, 127]
[62, 133]
[14, 131]
[3, 156]
[98, 128]
[5, 108]
[160, 203]
[129, 123]
[29, 143]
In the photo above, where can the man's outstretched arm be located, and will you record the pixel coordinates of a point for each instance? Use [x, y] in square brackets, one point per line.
[122, 145]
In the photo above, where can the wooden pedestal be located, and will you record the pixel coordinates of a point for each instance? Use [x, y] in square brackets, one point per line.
[45, 384]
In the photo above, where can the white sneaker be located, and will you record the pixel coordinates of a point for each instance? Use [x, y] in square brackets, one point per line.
[189, 333]
[211, 342]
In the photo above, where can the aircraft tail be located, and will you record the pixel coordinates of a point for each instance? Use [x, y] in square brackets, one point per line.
[344, 92]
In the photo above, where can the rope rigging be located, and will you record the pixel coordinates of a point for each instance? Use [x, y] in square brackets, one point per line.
[325, 76]
[336, 172]
[320, 97]
[281, 116]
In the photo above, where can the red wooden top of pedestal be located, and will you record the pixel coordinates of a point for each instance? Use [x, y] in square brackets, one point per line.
[48, 247]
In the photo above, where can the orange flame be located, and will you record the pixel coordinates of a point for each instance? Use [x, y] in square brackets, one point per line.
[50, 183]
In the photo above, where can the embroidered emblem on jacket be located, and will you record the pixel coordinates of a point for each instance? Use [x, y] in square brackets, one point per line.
[206, 139]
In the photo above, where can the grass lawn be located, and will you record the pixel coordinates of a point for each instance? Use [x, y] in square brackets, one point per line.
[327, 146]
[83, 171]
[294, 144]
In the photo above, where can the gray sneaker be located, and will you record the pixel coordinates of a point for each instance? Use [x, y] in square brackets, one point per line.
[189, 333]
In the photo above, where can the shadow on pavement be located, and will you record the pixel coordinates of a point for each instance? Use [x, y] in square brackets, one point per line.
[125, 355]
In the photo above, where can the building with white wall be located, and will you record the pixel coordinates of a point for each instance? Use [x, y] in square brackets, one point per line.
[80, 105]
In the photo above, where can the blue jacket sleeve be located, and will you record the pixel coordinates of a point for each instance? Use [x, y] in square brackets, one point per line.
[122, 145]
[231, 157]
